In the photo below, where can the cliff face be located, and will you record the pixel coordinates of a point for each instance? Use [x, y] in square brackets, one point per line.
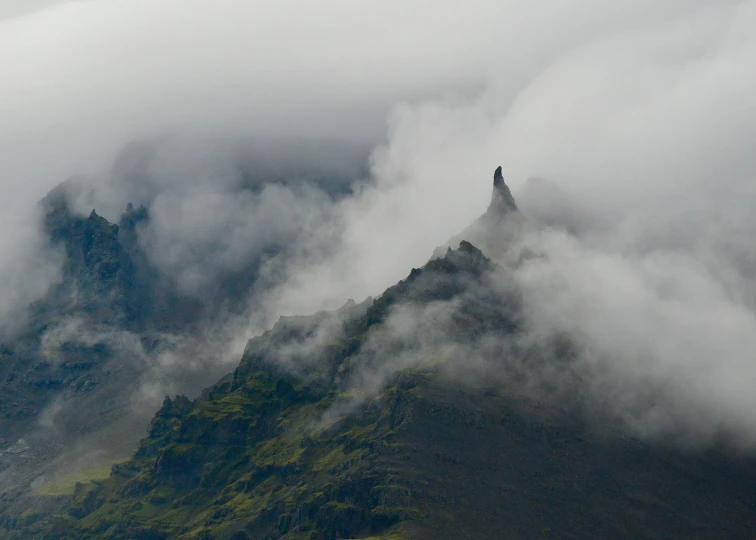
[98, 275]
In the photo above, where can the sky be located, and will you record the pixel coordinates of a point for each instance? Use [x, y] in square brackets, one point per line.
[16, 8]
[642, 110]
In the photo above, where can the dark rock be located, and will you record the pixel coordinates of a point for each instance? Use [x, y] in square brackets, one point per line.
[502, 200]
[98, 275]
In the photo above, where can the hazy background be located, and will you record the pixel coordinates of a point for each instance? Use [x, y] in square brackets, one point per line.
[642, 111]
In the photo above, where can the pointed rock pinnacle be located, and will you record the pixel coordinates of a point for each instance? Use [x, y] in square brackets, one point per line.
[502, 201]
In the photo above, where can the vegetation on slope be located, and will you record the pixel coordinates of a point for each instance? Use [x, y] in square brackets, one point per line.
[66, 484]
[288, 447]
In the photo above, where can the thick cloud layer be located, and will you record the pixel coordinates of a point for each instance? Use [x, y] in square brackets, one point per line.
[643, 111]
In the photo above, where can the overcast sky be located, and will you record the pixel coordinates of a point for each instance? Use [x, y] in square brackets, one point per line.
[16, 8]
[624, 104]
[82, 77]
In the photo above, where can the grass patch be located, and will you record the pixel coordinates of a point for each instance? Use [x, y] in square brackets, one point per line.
[388, 536]
[65, 485]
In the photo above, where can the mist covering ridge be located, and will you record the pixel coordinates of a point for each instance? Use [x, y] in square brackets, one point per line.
[270, 174]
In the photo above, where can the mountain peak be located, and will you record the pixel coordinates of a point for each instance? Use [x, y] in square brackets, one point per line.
[494, 230]
[502, 201]
[498, 176]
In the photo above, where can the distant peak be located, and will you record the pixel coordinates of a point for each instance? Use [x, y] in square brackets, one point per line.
[502, 201]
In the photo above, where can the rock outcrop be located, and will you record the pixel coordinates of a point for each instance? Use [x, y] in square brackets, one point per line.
[502, 201]
[98, 275]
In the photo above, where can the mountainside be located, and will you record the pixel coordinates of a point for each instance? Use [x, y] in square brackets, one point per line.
[77, 381]
[404, 416]
[289, 447]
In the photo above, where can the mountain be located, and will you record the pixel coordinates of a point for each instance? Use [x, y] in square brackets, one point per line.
[403, 416]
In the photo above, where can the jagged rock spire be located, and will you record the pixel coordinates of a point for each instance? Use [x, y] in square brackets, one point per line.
[502, 201]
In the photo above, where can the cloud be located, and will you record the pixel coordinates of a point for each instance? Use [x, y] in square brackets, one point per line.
[643, 111]
[17, 8]
[649, 125]
[639, 114]
[86, 77]
[663, 341]
[27, 268]
[653, 345]
[572, 92]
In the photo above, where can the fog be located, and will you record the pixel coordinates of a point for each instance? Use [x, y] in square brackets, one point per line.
[643, 112]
